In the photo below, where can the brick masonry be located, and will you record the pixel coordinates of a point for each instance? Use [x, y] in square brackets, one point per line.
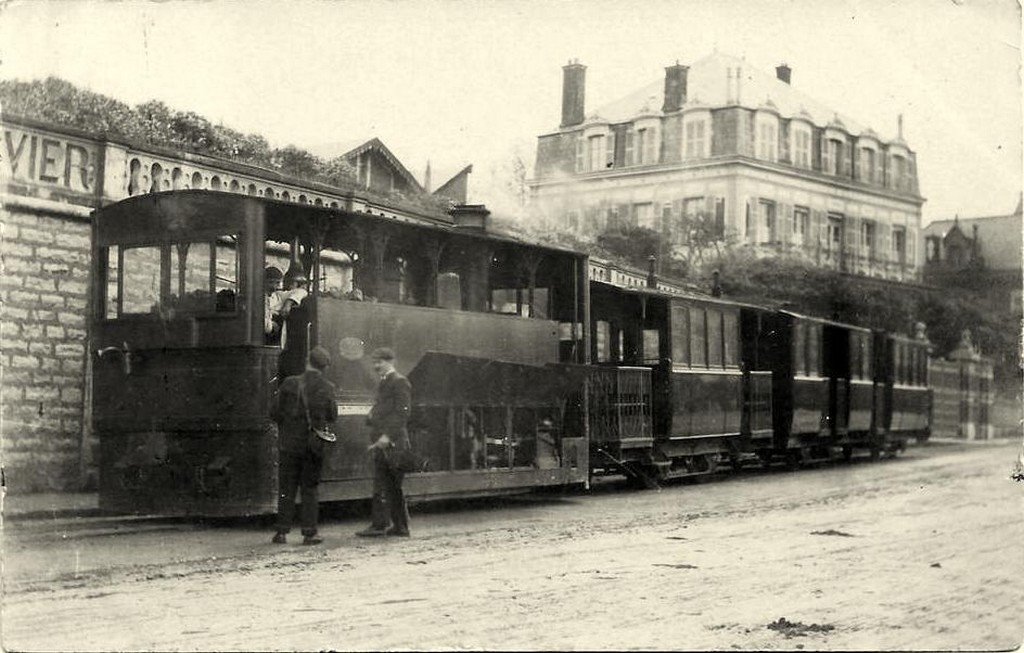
[43, 338]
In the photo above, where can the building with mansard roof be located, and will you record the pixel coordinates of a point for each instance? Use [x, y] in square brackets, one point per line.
[983, 253]
[737, 155]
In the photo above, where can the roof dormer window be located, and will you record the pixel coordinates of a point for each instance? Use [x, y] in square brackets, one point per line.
[697, 136]
[800, 144]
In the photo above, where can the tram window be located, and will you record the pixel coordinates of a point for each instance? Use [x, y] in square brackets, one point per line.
[698, 342]
[680, 336]
[855, 355]
[602, 338]
[504, 301]
[867, 360]
[111, 274]
[190, 277]
[799, 349]
[900, 367]
[652, 347]
[141, 281]
[714, 338]
[226, 282]
[813, 349]
[731, 337]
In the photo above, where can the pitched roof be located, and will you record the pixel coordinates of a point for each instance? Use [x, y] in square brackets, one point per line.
[708, 85]
[377, 145]
[999, 237]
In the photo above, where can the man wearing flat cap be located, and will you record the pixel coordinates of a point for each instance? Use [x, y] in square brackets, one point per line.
[303, 402]
[387, 422]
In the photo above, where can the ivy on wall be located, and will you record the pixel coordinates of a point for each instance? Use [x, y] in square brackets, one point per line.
[62, 103]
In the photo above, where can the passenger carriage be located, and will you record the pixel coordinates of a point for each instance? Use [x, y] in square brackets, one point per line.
[904, 398]
[673, 391]
[183, 375]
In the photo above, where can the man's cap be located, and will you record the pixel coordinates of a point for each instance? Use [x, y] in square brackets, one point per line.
[383, 354]
[272, 273]
[319, 358]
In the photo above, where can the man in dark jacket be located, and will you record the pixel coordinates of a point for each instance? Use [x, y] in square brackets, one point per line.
[303, 401]
[387, 422]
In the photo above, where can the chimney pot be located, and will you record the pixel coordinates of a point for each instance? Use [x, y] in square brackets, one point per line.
[784, 72]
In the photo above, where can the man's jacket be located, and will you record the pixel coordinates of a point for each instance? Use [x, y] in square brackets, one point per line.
[287, 409]
[390, 411]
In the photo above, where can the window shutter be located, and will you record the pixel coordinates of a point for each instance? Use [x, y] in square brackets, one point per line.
[911, 245]
[857, 173]
[911, 184]
[720, 217]
[784, 223]
[883, 249]
[630, 135]
[888, 170]
[819, 228]
[610, 151]
[826, 156]
[748, 228]
[851, 238]
[579, 153]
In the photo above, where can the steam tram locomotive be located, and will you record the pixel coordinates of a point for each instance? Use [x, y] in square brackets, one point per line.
[526, 373]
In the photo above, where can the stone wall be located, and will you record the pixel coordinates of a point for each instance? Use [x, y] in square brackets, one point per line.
[45, 293]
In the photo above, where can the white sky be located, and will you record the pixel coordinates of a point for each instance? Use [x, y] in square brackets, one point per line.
[471, 81]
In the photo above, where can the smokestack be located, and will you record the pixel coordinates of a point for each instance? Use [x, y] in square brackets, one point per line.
[675, 87]
[783, 72]
[574, 77]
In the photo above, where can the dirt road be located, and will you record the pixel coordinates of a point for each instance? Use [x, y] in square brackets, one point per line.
[922, 552]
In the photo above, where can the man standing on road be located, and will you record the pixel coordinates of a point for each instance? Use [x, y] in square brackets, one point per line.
[303, 402]
[387, 421]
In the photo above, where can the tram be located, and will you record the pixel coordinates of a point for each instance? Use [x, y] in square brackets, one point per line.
[183, 372]
[526, 372]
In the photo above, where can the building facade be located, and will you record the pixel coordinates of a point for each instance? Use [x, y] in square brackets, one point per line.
[979, 253]
[720, 153]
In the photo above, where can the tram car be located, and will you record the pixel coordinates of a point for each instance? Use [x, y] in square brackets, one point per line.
[526, 373]
[682, 383]
[183, 373]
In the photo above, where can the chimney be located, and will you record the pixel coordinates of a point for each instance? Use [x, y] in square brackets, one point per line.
[783, 72]
[470, 216]
[426, 178]
[574, 77]
[675, 87]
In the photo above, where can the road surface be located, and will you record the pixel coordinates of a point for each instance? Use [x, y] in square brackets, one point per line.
[921, 552]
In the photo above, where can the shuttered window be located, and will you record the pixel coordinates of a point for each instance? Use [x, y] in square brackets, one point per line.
[714, 320]
[698, 339]
[680, 336]
[814, 349]
[799, 346]
[730, 339]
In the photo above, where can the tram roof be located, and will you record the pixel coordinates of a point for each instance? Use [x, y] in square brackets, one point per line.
[280, 211]
[821, 320]
[691, 296]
